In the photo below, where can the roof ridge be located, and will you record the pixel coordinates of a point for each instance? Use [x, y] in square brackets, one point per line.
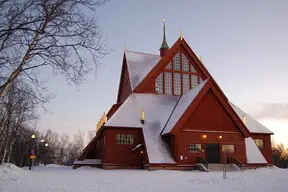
[143, 53]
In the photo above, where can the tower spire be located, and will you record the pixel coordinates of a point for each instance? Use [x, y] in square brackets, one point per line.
[164, 47]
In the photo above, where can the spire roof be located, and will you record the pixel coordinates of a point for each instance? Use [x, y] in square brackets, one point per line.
[164, 43]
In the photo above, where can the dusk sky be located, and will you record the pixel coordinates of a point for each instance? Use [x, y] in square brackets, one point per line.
[244, 46]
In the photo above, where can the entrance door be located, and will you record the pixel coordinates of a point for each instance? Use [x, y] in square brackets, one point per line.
[212, 153]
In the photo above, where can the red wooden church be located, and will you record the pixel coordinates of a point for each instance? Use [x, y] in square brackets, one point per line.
[171, 114]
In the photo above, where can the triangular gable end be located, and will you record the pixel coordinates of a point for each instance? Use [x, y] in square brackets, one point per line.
[125, 88]
[177, 75]
[180, 44]
[209, 86]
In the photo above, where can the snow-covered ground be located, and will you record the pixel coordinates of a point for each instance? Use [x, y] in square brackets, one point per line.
[60, 179]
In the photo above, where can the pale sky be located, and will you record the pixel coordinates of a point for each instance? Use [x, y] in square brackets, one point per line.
[243, 43]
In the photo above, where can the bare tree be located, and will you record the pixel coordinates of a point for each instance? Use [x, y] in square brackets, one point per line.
[61, 34]
[91, 135]
[17, 109]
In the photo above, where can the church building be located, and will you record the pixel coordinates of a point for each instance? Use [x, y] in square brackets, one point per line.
[171, 114]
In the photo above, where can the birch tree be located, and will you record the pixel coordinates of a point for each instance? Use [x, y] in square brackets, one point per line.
[60, 34]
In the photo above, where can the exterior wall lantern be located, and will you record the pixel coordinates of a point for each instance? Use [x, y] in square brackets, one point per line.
[204, 136]
[220, 137]
[142, 116]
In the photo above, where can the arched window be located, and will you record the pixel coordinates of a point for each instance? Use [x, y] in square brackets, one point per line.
[178, 77]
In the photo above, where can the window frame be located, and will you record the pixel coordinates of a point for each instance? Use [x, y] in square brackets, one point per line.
[170, 68]
[192, 148]
[124, 139]
[229, 151]
[259, 146]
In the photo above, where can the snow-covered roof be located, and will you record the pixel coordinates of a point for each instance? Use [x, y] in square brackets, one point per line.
[253, 154]
[157, 110]
[139, 65]
[184, 102]
[252, 125]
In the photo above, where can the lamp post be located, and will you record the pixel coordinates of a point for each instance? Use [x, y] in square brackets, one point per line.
[35, 148]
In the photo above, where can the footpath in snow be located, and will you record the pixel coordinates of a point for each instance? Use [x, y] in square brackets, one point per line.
[54, 178]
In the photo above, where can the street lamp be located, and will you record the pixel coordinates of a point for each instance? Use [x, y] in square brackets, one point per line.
[46, 144]
[42, 140]
[33, 136]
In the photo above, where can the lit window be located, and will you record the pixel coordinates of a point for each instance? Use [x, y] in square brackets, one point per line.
[176, 62]
[259, 143]
[194, 147]
[194, 80]
[168, 83]
[177, 83]
[125, 139]
[186, 83]
[159, 84]
[228, 148]
[192, 69]
[185, 63]
[169, 66]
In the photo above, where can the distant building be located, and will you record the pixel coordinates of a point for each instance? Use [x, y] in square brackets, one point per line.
[171, 114]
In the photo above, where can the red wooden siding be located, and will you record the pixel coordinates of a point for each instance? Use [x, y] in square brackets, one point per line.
[213, 120]
[121, 154]
[184, 138]
[210, 115]
[267, 149]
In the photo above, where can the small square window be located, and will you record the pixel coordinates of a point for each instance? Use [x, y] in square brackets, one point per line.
[176, 62]
[194, 80]
[228, 148]
[159, 84]
[177, 83]
[124, 139]
[194, 148]
[259, 143]
[185, 63]
[168, 82]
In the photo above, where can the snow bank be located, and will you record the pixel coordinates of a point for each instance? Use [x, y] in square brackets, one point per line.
[9, 167]
[91, 179]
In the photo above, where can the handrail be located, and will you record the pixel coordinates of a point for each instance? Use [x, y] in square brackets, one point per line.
[234, 160]
[202, 161]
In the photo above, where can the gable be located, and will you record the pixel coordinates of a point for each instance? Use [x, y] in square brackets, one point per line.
[179, 45]
[210, 115]
[210, 98]
[181, 106]
[125, 85]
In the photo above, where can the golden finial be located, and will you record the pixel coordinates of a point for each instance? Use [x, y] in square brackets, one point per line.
[244, 119]
[181, 37]
[201, 59]
[105, 117]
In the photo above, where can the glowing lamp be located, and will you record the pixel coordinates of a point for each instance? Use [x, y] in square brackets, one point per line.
[141, 152]
[46, 145]
[42, 140]
[142, 116]
[220, 137]
[33, 136]
[204, 136]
